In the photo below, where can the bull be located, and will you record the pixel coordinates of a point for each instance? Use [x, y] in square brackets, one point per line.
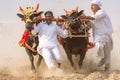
[30, 42]
[77, 41]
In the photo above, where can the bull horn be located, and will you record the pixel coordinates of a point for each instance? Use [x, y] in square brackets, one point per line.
[37, 7]
[21, 9]
[65, 11]
[77, 8]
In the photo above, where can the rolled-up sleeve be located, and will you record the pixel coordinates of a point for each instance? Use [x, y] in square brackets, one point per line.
[100, 14]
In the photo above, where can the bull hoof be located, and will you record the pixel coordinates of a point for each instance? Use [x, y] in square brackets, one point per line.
[74, 67]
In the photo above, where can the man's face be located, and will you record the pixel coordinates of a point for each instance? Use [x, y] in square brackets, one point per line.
[94, 8]
[49, 18]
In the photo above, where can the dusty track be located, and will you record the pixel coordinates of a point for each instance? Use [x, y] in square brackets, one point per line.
[14, 62]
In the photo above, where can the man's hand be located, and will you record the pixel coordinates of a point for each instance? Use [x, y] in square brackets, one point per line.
[90, 18]
[66, 26]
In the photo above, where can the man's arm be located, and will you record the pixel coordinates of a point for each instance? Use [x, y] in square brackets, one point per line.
[99, 14]
[63, 32]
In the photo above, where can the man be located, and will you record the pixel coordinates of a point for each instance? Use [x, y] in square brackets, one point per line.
[102, 33]
[48, 43]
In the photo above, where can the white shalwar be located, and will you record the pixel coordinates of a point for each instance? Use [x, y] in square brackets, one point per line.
[48, 43]
[102, 34]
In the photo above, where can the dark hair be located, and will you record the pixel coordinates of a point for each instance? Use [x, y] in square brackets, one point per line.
[49, 12]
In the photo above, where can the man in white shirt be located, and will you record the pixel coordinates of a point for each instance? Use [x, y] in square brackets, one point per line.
[48, 42]
[102, 33]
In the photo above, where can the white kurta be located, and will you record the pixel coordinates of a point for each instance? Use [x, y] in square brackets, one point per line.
[48, 34]
[48, 42]
[102, 26]
[102, 33]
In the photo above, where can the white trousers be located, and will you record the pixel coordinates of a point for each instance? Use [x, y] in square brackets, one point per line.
[104, 50]
[49, 54]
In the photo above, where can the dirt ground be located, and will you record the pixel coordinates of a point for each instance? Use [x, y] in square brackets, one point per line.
[15, 65]
[89, 71]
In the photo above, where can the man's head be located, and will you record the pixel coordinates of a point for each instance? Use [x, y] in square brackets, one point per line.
[48, 17]
[95, 5]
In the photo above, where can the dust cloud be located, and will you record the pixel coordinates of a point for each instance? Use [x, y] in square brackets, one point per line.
[15, 65]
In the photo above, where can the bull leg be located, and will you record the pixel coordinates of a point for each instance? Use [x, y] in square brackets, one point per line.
[31, 58]
[39, 61]
[82, 56]
[69, 55]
